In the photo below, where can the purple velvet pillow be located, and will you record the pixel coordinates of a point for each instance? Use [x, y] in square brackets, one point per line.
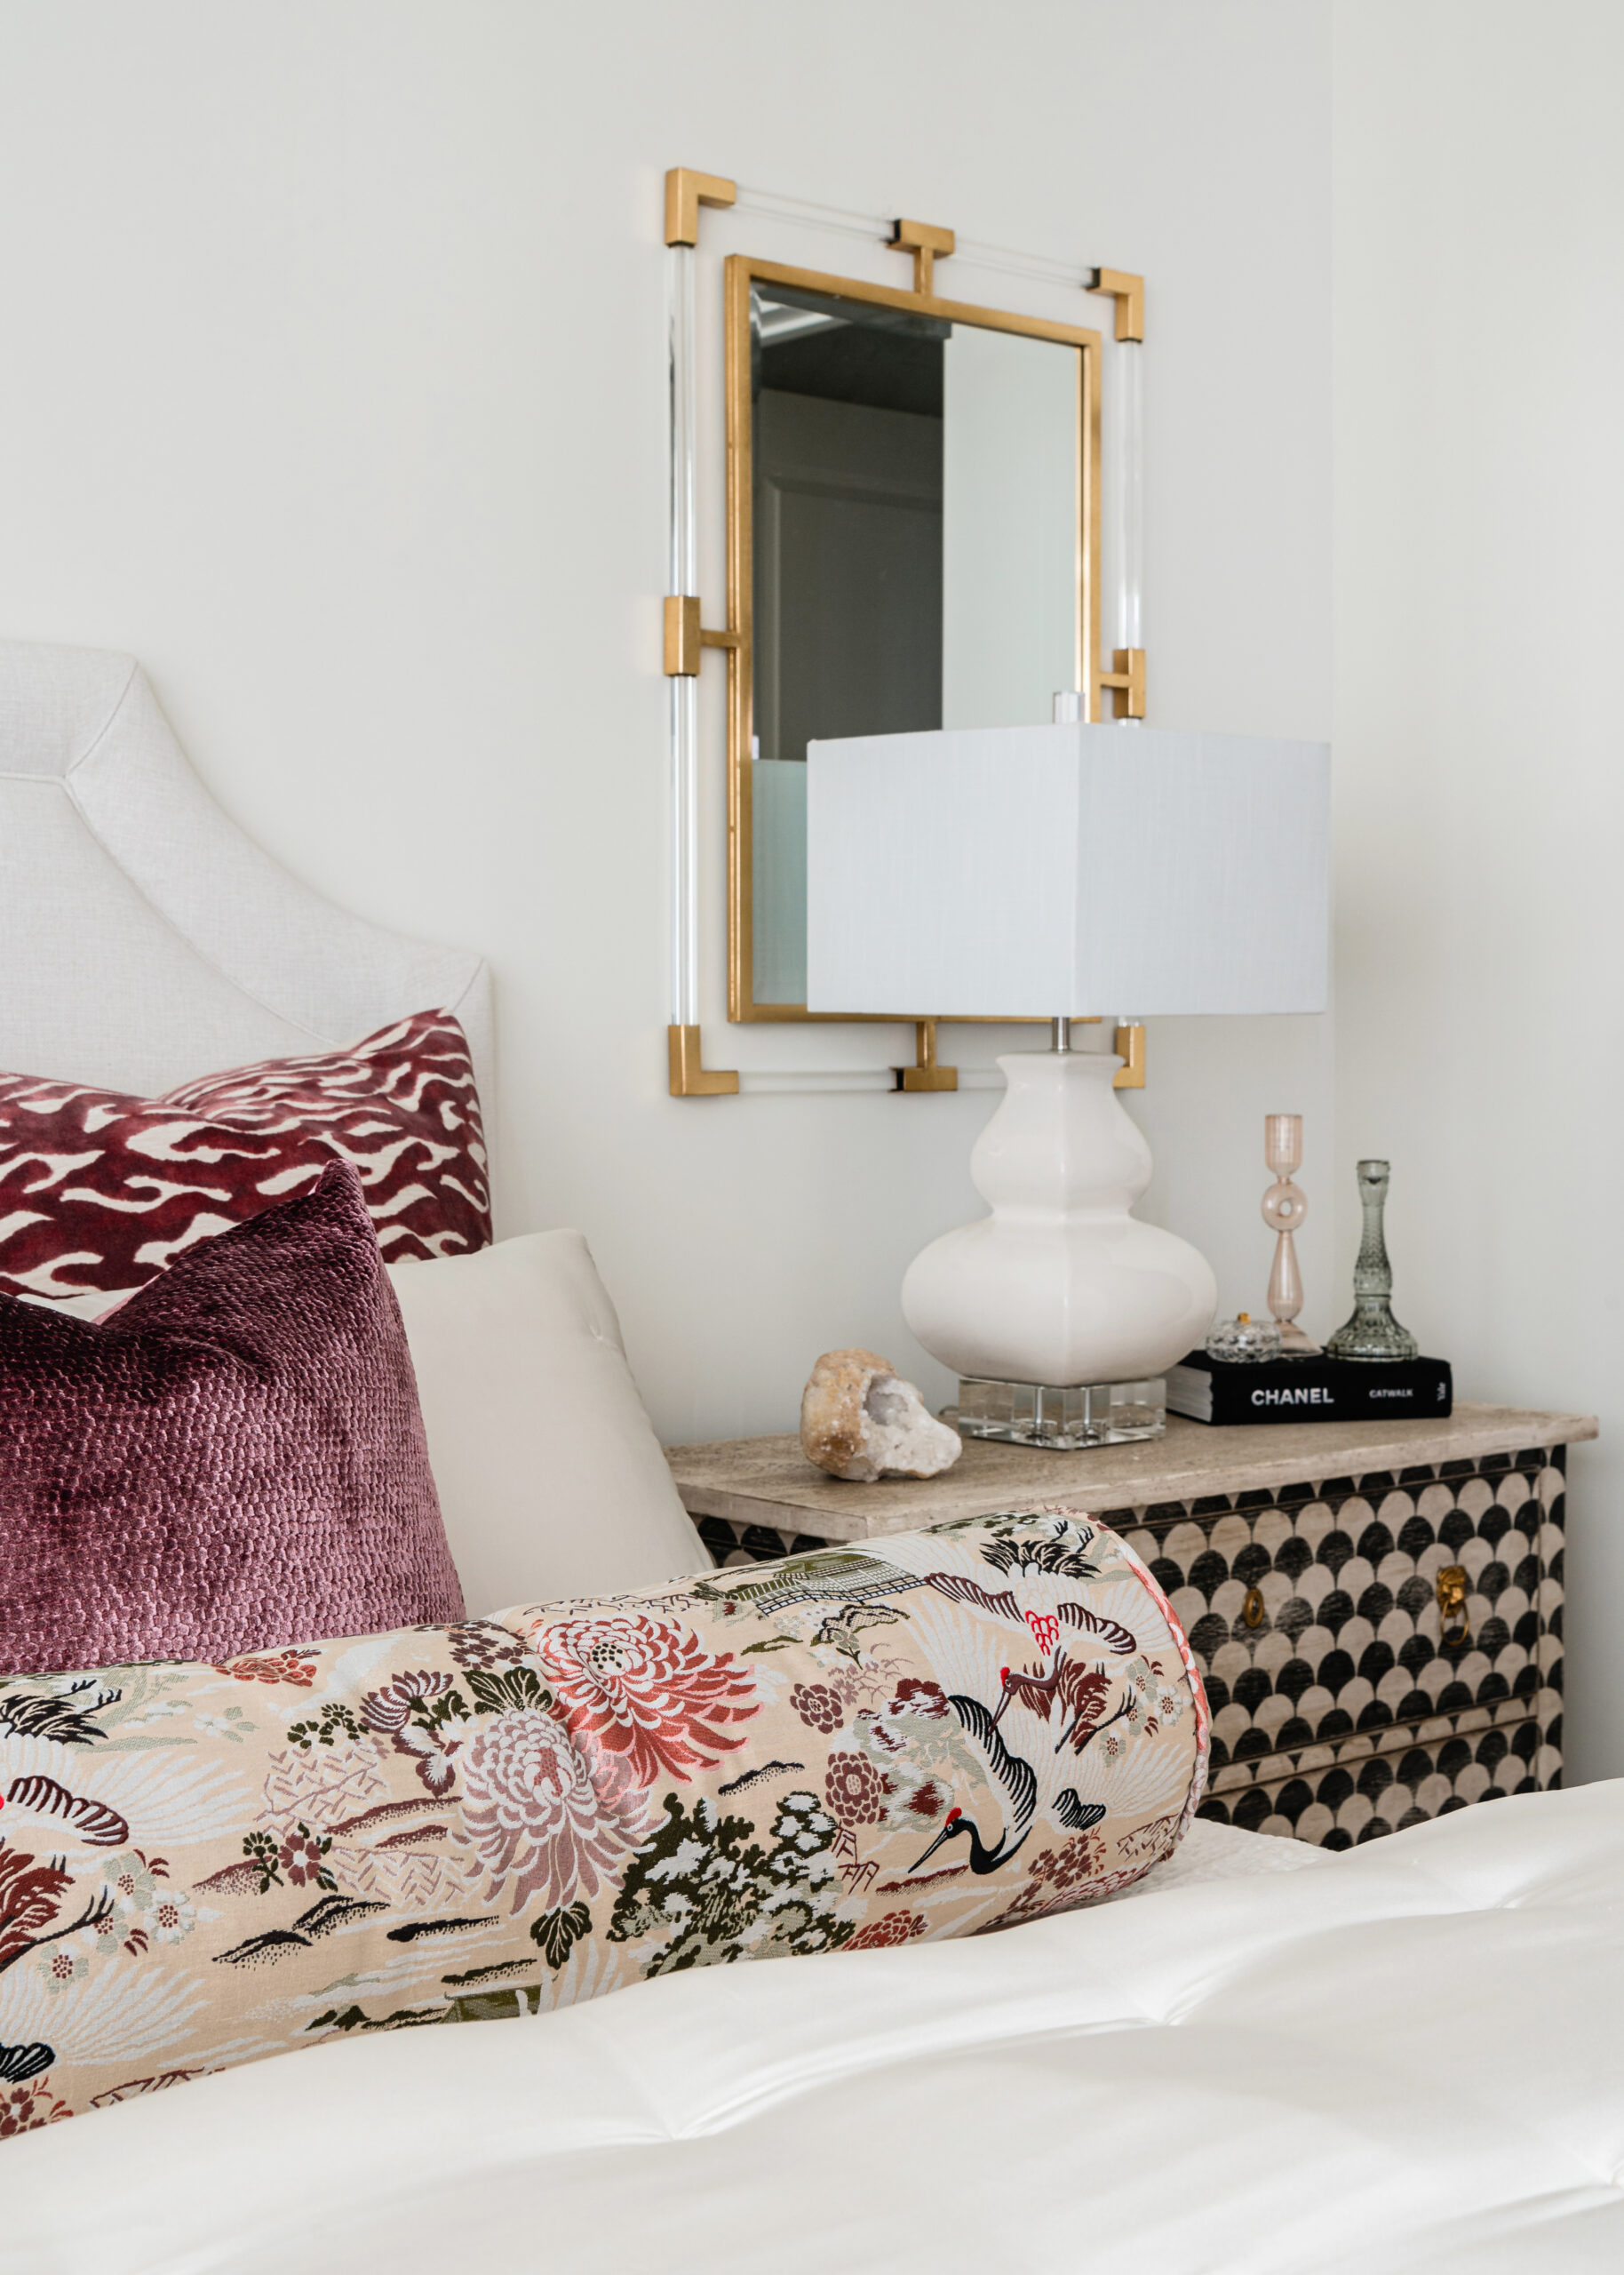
[234, 1458]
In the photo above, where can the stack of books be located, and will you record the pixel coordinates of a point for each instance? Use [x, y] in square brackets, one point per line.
[1309, 1389]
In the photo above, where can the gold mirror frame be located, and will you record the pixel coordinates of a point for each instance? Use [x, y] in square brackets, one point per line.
[687, 192]
[741, 272]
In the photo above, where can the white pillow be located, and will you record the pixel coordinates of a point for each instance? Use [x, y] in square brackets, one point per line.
[551, 1479]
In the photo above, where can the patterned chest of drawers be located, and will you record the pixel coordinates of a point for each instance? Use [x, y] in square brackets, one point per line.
[1377, 1648]
[1377, 1612]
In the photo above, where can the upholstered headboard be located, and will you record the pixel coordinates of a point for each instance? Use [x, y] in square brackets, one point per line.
[144, 939]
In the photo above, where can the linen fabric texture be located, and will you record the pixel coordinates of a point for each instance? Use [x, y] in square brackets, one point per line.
[144, 938]
[101, 1192]
[551, 1480]
[961, 1730]
[234, 1458]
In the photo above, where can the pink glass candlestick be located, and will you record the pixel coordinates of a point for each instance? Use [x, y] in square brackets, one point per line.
[1284, 1207]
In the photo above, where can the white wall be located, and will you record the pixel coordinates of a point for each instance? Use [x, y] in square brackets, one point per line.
[333, 384]
[1480, 756]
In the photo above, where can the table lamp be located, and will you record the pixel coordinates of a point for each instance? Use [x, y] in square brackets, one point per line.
[1056, 873]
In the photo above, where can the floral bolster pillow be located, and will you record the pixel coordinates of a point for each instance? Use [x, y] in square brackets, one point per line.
[99, 1191]
[947, 1732]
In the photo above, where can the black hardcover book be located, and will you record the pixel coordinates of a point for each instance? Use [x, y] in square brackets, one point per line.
[1309, 1389]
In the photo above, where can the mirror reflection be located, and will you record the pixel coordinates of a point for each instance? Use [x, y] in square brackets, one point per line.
[917, 519]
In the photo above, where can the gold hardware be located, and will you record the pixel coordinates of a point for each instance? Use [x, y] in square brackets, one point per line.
[685, 637]
[688, 1077]
[926, 1075]
[1125, 680]
[1451, 1585]
[1128, 293]
[685, 192]
[928, 245]
[740, 273]
[1252, 1610]
[682, 635]
[1129, 1047]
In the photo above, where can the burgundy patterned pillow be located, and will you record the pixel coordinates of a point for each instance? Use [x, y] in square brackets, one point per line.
[232, 1462]
[101, 1190]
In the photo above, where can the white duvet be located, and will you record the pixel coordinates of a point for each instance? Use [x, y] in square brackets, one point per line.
[1409, 2056]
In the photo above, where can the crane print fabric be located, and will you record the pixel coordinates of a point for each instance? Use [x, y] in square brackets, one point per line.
[100, 1192]
[946, 1733]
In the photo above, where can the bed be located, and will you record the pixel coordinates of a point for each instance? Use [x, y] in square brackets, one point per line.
[1260, 2056]
[1406, 2056]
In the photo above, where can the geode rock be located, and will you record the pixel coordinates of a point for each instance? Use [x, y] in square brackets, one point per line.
[859, 1421]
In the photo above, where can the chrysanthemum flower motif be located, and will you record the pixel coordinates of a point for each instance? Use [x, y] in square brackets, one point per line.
[388, 1709]
[170, 1918]
[855, 1790]
[646, 1689]
[484, 1643]
[300, 1857]
[818, 1707]
[135, 1888]
[531, 1809]
[62, 1967]
[1169, 1705]
[24, 2108]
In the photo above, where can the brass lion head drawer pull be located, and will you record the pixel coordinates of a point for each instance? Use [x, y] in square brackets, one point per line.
[1252, 1610]
[1451, 1585]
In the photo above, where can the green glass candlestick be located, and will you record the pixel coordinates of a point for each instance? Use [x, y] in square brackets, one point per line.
[1372, 1332]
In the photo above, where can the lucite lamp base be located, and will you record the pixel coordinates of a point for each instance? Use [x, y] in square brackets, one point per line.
[1062, 1416]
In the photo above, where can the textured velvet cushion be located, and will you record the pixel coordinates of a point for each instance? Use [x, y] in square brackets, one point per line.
[929, 1736]
[99, 1191]
[233, 1459]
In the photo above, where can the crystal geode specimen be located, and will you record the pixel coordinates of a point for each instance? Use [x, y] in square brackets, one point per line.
[859, 1421]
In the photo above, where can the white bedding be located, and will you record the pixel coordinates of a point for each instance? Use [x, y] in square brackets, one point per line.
[1407, 2057]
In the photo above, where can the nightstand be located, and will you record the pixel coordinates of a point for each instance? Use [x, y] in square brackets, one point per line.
[1376, 1608]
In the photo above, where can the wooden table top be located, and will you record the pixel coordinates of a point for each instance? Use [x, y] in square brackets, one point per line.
[770, 1481]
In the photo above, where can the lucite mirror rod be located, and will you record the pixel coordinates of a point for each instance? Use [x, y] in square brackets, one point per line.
[687, 1074]
[1129, 516]
[688, 190]
[684, 686]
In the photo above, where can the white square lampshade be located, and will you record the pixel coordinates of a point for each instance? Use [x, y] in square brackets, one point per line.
[1041, 872]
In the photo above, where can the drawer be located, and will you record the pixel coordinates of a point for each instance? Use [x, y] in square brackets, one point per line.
[730, 1543]
[1338, 1796]
[1345, 1703]
[1314, 1614]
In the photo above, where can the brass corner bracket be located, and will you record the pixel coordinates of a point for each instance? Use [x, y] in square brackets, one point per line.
[926, 1075]
[1128, 293]
[1129, 1046]
[1125, 680]
[1127, 1042]
[928, 245]
[689, 1076]
[685, 192]
[686, 637]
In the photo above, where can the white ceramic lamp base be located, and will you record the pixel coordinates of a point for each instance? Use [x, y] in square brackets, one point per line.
[1062, 1284]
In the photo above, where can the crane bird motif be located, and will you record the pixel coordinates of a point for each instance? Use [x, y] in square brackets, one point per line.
[1019, 1784]
[1077, 1689]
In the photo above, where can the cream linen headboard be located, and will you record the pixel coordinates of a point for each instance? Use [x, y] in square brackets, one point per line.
[144, 939]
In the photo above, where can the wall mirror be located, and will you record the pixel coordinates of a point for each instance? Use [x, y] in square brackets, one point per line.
[912, 542]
